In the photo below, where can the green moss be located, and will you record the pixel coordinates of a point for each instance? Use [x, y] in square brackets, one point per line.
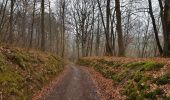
[9, 77]
[142, 87]
[2, 63]
[119, 77]
[131, 91]
[10, 83]
[163, 79]
[136, 86]
[152, 95]
[2, 57]
[152, 66]
[110, 63]
[134, 64]
[146, 66]
[116, 64]
[19, 59]
[102, 61]
[21, 83]
[83, 62]
[132, 77]
[103, 71]
[137, 76]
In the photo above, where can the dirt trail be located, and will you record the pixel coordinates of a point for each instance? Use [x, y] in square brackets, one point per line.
[75, 85]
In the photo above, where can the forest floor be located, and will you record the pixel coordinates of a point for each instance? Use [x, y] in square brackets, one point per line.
[29, 74]
[25, 72]
[108, 78]
[121, 78]
[75, 83]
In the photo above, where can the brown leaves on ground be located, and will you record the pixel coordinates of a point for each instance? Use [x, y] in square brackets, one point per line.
[24, 72]
[49, 87]
[111, 91]
[105, 86]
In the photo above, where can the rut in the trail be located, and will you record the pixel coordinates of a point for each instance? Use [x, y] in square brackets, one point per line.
[75, 85]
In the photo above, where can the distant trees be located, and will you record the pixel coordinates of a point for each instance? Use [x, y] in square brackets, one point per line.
[24, 23]
[92, 27]
[117, 28]
[83, 17]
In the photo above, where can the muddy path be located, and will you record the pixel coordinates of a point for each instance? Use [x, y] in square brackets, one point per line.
[75, 85]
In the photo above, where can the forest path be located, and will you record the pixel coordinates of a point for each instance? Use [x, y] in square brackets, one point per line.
[75, 85]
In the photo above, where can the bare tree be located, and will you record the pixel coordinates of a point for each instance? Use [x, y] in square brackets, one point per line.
[42, 26]
[167, 29]
[32, 25]
[63, 26]
[119, 29]
[155, 27]
[106, 27]
[11, 35]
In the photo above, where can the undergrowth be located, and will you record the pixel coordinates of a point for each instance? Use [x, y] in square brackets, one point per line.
[23, 73]
[132, 77]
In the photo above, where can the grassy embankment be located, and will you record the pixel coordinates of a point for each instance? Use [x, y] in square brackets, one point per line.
[140, 79]
[23, 73]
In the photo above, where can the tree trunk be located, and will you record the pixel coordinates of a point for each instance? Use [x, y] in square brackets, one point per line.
[119, 29]
[42, 27]
[106, 28]
[155, 28]
[83, 43]
[166, 50]
[32, 26]
[98, 37]
[107, 31]
[11, 35]
[112, 34]
[3, 16]
[50, 45]
[63, 28]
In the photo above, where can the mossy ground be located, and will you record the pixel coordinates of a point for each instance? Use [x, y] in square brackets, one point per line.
[162, 80]
[131, 76]
[23, 73]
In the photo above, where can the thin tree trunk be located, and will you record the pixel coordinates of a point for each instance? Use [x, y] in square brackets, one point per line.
[155, 28]
[32, 25]
[112, 34]
[11, 35]
[98, 37]
[3, 15]
[50, 26]
[63, 28]
[42, 27]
